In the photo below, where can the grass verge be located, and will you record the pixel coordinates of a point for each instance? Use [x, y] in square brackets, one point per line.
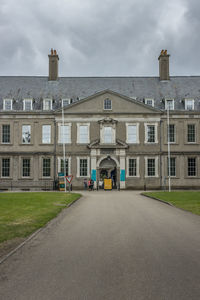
[23, 213]
[183, 199]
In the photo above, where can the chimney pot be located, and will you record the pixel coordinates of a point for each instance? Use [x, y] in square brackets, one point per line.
[164, 65]
[53, 65]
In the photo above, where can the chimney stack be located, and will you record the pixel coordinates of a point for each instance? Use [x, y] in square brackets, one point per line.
[53, 65]
[164, 65]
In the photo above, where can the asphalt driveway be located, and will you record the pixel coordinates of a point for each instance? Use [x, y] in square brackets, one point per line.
[109, 246]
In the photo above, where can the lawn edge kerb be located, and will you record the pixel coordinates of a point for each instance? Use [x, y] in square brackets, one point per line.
[35, 233]
[163, 201]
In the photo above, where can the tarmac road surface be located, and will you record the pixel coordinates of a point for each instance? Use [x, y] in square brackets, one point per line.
[109, 246]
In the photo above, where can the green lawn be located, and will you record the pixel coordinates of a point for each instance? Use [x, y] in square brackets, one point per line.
[185, 199]
[23, 213]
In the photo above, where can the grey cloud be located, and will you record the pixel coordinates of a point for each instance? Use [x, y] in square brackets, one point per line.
[99, 38]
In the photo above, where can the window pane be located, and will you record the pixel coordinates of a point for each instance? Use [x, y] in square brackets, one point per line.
[26, 167]
[8, 104]
[149, 102]
[83, 167]
[172, 166]
[169, 104]
[132, 171]
[46, 167]
[189, 104]
[66, 166]
[65, 102]
[132, 134]
[151, 167]
[83, 134]
[5, 167]
[27, 104]
[26, 134]
[151, 134]
[107, 104]
[107, 135]
[46, 134]
[191, 133]
[47, 104]
[64, 136]
[5, 133]
[171, 133]
[192, 166]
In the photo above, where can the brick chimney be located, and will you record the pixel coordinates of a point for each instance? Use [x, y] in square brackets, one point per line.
[164, 65]
[53, 65]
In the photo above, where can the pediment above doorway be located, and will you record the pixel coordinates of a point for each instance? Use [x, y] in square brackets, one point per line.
[108, 121]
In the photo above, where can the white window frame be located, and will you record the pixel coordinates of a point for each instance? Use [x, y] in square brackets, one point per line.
[2, 167]
[137, 166]
[24, 143]
[4, 104]
[59, 133]
[166, 100]
[186, 103]
[175, 158]
[78, 166]
[42, 134]
[43, 167]
[113, 135]
[29, 158]
[156, 133]
[66, 99]
[149, 99]
[146, 166]
[104, 104]
[69, 163]
[44, 104]
[24, 104]
[78, 133]
[174, 134]
[137, 130]
[2, 134]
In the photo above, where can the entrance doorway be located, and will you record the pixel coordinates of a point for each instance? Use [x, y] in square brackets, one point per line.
[108, 169]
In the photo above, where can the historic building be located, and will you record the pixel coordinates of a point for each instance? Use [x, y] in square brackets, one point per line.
[113, 126]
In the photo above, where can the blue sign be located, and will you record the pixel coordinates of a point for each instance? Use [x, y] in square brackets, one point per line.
[122, 175]
[94, 175]
[61, 174]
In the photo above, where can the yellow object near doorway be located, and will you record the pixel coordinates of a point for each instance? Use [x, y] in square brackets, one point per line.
[107, 184]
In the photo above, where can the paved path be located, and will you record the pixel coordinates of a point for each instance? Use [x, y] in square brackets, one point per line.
[109, 246]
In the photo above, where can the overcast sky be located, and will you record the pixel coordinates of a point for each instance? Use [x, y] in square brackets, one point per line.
[99, 37]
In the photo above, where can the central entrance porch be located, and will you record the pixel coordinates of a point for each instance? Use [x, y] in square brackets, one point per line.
[107, 170]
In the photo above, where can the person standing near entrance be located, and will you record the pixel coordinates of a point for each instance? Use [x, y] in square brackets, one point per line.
[85, 184]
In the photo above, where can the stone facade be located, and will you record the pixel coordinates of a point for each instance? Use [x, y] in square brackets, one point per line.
[106, 133]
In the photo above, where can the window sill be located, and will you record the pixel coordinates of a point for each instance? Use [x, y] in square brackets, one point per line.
[46, 144]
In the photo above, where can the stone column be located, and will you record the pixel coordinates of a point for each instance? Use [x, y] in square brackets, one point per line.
[122, 169]
[94, 166]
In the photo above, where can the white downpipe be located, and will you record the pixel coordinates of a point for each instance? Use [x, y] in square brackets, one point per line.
[168, 144]
[64, 164]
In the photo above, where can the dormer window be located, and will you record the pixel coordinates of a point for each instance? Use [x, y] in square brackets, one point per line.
[189, 104]
[7, 104]
[107, 104]
[149, 101]
[65, 102]
[47, 104]
[27, 104]
[169, 104]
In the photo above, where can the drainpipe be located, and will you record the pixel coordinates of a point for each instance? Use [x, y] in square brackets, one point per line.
[55, 139]
[161, 122]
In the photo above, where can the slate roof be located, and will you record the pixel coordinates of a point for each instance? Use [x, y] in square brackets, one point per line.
[76, 88]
